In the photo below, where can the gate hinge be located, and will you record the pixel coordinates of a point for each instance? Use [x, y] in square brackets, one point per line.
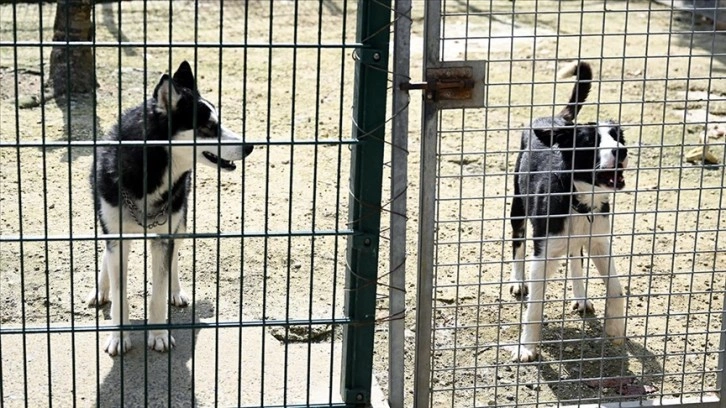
[453, 84]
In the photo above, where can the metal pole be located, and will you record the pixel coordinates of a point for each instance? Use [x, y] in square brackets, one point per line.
[427, 211]
[366, 180]
[720, 377]
[399, 184]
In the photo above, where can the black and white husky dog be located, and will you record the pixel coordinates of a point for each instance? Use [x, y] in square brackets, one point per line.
[140, 188]
[565, 174]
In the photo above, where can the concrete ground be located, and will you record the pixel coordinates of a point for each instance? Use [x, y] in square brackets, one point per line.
[207, 368]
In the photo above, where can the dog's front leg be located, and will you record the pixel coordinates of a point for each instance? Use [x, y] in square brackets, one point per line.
[178, 297]
[616, 302]
[115, 260]
[517, 287]
[532, 317]
[581, 304]
[161, 259]
[98, 296]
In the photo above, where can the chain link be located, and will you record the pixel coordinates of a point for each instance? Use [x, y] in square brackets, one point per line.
[159, 219]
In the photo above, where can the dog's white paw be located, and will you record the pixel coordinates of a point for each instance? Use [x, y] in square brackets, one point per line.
[161, 341]
[180, 299]
[583, 306]
[97, 299]
[524, 354]
[518, 289]
[117, 344]
[615, 328]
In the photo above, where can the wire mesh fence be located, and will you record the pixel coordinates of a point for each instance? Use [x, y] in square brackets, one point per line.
[658, 72]
[280, 255]
[265, 264]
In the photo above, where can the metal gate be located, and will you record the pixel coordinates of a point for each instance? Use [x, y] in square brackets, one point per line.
[658, 71]
[280, 261]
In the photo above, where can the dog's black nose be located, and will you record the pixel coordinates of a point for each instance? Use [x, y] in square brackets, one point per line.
[248, 149]
[620, 154]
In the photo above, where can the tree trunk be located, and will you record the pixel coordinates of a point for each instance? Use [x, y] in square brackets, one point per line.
[71, 66]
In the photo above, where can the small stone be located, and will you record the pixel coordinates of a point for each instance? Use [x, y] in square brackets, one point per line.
[533, 387]
[28, 101]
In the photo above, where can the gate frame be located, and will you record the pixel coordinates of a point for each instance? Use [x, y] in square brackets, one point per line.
[427, 211]
[366, 181]
[425, 257]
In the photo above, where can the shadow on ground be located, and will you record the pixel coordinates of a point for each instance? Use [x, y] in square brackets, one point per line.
[584, 357]
[147, 378]
[80, 123]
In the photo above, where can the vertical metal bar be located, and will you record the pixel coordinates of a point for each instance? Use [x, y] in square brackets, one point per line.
[218, 240]
[145, 166]
[290, 215]
[314, 193]
[427, 206]
[338, 188]
[96, 265]
[18, 160]
[720, 377]
[266, 247]
[44, 156]
[193, 337]
[399, 184]
[369, 116]
[242, 208]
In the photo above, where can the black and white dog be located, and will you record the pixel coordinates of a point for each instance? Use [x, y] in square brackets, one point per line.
[141, 188]
[565, 174]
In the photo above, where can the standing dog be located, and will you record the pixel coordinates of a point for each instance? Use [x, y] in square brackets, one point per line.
[565, 173]
[141, 189]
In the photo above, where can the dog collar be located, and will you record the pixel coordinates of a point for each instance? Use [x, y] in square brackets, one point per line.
[159, 219]
[582, 208]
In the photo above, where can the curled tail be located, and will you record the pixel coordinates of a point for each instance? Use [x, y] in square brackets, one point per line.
[583, 73]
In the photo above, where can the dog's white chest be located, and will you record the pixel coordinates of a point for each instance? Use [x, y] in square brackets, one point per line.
[582, 229]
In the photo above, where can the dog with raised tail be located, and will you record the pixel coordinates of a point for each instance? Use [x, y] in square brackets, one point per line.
[143, 187]
[565, 173]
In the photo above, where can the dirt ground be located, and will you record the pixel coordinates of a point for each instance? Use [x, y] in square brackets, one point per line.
[668, 240]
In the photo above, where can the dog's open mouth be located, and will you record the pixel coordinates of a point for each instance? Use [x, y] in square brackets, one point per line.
[223, 164]
[611, 178]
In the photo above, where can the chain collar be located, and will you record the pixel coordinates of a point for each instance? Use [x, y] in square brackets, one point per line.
[159, 219]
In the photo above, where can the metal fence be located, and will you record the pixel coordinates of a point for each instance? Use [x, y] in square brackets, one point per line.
[659, 72]
[281, 255]
[281, 261]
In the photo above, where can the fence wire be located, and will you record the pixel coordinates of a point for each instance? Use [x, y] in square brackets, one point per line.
[264, 260]
[658, 71]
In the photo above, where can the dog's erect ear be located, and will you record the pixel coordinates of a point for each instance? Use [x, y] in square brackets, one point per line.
[166, 94]
[550, 137]
[184, 76]
[546, 136]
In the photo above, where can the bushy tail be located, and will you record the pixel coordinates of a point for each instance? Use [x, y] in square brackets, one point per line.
[583, 73]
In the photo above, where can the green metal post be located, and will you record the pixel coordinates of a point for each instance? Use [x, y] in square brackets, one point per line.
[369, 115]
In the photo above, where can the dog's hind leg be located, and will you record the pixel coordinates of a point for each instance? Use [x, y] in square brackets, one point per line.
[616, 302]
[178, 297]
[543, 263]
[98, 296]
[161, 263]
[581, 304]
[517, 287]
[115, 261]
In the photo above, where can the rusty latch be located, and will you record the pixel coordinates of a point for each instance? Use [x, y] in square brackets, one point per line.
[441, 84]
[453, 84]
